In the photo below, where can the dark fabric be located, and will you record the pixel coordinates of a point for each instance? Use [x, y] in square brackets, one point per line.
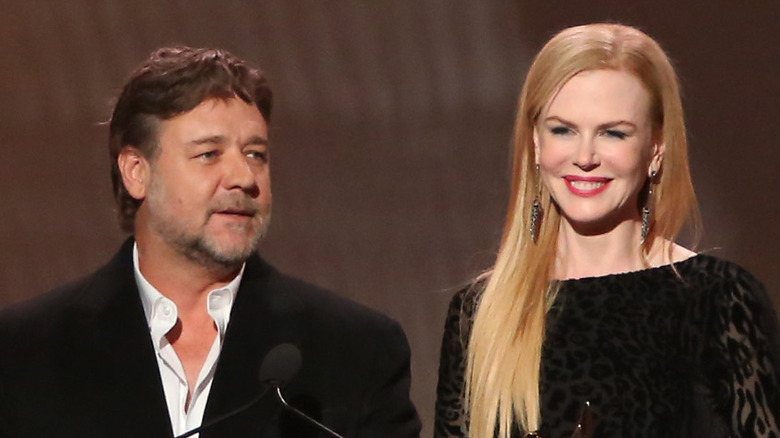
[79, 362]
[656, 355]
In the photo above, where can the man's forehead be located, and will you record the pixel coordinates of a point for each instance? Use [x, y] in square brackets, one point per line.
[216, 119]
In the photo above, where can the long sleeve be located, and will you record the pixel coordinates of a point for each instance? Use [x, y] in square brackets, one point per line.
[747, 339]
[451, 419]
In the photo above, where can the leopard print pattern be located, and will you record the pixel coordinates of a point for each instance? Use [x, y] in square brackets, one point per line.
[656, 354]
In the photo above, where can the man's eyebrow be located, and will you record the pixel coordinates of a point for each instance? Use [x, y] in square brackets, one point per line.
[256, 140]
[222, 139]
[210, 139]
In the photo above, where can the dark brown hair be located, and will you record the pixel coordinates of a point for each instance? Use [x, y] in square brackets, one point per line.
[174, 80]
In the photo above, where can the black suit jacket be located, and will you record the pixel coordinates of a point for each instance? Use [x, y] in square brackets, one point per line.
[79, 362]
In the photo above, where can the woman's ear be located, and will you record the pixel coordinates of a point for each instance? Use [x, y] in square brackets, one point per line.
[134, 168]
[657, 159]
[536, 146]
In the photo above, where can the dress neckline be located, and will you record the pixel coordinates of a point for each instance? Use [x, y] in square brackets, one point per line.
[653, 270]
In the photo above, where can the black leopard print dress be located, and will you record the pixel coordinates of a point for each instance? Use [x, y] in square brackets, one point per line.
[656, 355]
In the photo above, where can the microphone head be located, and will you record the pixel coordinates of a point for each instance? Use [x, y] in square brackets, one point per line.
[280, 365]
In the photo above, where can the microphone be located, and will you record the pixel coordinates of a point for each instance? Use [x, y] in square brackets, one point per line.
[277, 368]
[280, 365]
[289, 362]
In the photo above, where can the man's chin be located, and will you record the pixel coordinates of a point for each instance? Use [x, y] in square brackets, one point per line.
[226, 247]
[231, 254]
[232, 258]
[222, 254]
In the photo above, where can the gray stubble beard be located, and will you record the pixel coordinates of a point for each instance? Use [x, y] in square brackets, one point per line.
[201, 250]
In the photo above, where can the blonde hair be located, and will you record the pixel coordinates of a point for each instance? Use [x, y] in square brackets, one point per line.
[505, 348]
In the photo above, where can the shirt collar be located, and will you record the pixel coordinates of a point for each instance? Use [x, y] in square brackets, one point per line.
[161, 312]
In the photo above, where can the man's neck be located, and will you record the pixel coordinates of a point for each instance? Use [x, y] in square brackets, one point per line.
[181, 279]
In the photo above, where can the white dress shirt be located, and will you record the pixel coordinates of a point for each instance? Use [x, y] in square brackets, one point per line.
[161, 316]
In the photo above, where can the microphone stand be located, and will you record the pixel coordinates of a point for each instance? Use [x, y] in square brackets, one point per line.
[278, 367]
[304, 416]
[225, 416]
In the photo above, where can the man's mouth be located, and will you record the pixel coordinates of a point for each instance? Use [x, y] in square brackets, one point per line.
[232, 212]
[235, 206]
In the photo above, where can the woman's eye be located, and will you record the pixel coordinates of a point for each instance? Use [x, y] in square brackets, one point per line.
[560, 130]
[614, 133]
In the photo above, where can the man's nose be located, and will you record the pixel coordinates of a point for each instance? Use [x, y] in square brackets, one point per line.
[238, 173]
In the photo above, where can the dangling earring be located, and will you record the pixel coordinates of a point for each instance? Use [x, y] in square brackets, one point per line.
[536, 209]
[646, 209]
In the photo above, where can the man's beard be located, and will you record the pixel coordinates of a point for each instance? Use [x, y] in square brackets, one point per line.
[207, 249]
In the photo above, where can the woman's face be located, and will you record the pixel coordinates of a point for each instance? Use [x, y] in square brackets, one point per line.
[594, 146]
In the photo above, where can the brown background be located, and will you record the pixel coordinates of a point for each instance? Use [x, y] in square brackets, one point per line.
[390, 135]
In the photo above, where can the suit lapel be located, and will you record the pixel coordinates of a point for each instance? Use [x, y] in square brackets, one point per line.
[116, 354]
[264, 315]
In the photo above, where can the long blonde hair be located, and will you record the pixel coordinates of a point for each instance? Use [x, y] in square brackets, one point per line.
[505, 348]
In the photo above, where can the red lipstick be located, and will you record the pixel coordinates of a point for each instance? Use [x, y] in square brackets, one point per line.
[586, 186]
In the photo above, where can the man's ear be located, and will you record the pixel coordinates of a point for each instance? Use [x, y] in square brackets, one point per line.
[135, 170]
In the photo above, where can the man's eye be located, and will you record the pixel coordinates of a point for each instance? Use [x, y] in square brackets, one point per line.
[209, 155]
[257, 155]
[614, 133]
[560, 130]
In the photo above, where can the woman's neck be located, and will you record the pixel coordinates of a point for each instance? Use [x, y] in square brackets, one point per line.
[618, 250]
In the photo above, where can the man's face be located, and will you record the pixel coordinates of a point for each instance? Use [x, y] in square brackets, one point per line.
[208, 195]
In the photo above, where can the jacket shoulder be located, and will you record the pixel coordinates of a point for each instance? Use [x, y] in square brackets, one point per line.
[329, 307]
[73, 298]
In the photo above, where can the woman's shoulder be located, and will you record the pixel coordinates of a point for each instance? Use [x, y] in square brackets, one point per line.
[714, 272]
[461, 312]
[731, 293]
[466, 299]
[699, 266]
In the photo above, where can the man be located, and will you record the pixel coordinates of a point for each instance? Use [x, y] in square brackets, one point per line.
[172, 333]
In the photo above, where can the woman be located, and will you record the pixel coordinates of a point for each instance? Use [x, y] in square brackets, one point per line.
[590, 301]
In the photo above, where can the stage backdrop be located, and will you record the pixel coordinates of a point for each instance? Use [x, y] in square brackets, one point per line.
[389, 138]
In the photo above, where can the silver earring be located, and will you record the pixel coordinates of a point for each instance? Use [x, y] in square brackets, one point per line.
[536, 210]
[646, 209]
